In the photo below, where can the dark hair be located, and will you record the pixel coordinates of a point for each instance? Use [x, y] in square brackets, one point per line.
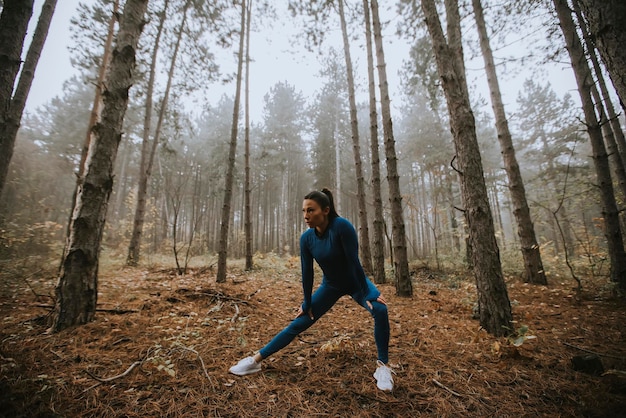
[325, 200]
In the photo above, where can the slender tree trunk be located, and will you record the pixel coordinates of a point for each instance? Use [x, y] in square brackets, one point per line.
[607, 20]
[228, 186]
[533, 266]
[493, 300]
[378, 242]
[610, 142]
[95, 111]
[247, 189]
[584, 81]
[27, 74]
[366, 256]
[337, 141]
[606, 97]
[120, 192]
[612, 132]
[283, 212]
[77, 288]
[454, 225]
[13, 25]
[401, 263]
[95, 107]
[148, 150]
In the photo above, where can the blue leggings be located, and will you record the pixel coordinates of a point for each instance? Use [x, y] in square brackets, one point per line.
[321, 301]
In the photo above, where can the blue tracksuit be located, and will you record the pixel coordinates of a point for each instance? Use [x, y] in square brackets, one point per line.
[337, 254]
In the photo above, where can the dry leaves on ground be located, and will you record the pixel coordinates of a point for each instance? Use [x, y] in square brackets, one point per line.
[162, 345]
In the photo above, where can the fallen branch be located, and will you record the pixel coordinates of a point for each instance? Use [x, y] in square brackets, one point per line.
[230, 298]
[37, 295]
[212, 294]
[593, 352]
[113, 311]
[201, 361]
[110, 379]
[442, 386]
[234, 318]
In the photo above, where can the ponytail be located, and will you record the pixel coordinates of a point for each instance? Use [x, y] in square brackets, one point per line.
[331, 203]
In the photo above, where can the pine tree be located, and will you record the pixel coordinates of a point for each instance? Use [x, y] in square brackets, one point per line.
[404, 286]
[533, 266]
[77, 288]
[228, 186]
[13, 25]
[493, 301]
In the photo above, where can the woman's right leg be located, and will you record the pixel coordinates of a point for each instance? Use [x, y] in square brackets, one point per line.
[321, 301]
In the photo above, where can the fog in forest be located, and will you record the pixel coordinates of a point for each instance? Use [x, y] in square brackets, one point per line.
[300, 137]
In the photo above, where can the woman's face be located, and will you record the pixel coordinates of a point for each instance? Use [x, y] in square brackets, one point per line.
[314, 215]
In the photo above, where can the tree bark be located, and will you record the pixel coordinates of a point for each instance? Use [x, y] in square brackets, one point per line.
[13, 25]
[493, 300]
[95, 107]
[148, 150]
[404, 286]
[378, 240]
[228, 186]
[247, 180]
[607, 20]
[95, 110]
[584, 82]
[612, 131]
[533, 266]
[77, 288]
[366, 255]
[606, 97]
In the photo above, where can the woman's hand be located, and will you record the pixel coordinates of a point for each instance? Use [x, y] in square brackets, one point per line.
[379, 299]
[301, 313]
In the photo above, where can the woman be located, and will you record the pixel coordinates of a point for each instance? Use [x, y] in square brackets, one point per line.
[332, 242]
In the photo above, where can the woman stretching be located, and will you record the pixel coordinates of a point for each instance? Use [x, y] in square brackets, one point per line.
[332, 242]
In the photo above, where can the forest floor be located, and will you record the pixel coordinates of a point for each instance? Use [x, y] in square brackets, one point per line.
[161, 346]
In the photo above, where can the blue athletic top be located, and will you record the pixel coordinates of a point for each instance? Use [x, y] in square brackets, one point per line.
[337, 253]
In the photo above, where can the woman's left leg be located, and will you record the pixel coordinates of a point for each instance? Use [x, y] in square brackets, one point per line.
[383, 374]
[381, 328]
[381, 319]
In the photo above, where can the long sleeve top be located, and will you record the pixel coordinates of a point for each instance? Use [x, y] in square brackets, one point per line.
[336, 251]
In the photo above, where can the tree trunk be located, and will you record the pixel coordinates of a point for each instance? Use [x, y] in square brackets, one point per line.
[378, 240]
[607, 20]
[77, 288]
[95, 107]
[337, 140]
[28, 71]
[612, 132]
[610, 142]
[13, 25]
[228, 186]
[247, 187]
[401, 263]
[533, 266]
[366, 256]
[95, 110]
[606, 97]
[584, 81]
[493, 300]
[148, 151]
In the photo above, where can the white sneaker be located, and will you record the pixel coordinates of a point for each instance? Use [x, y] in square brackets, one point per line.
[383, 377]
[245, 366]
